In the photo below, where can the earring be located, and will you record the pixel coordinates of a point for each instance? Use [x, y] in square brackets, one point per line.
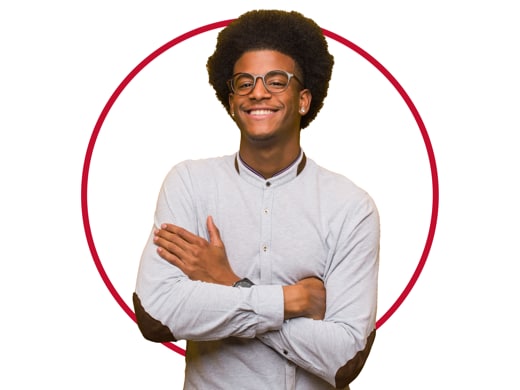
[233, 114]
[302, 110]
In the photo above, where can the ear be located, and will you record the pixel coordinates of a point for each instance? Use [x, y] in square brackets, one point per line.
[305, 101]
[231, 105]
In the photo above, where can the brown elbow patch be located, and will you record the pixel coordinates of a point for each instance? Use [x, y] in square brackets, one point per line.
[351, 370]
[151, 328]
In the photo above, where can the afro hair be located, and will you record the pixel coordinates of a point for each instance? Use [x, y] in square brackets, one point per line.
[289, 33]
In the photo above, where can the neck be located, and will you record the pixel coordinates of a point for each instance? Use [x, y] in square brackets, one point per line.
[269, 161]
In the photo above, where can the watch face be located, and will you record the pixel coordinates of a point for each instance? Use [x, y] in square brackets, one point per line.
[243, 283]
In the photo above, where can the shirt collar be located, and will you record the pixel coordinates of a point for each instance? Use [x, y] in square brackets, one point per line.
[283, 176]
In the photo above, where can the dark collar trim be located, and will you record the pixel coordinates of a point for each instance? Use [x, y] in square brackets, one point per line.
[299, 170]
[236, 164]
[301, 165]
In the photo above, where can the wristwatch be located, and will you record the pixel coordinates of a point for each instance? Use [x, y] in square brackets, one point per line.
[245, 282]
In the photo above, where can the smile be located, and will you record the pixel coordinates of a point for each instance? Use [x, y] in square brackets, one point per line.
[260, 112]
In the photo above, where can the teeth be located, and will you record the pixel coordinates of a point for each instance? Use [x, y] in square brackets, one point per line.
[260, 112]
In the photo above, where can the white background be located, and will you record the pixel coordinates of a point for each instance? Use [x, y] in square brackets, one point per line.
[61, 61]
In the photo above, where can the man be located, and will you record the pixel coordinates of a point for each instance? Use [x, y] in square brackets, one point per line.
[282, 294]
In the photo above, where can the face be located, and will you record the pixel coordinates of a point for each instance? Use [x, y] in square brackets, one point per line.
[265, 116]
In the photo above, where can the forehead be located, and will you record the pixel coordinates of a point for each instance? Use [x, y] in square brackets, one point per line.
[262, 61]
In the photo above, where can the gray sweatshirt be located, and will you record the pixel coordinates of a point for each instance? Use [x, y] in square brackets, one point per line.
[305, 221]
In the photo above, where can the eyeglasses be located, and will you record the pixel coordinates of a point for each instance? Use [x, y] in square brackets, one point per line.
[275, 81]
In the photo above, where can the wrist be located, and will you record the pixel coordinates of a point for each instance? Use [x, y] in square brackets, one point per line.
[227, 279]
[294, 304]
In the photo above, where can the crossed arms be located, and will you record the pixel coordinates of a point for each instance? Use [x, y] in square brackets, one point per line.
[324, 325]
[207, 261]
[303, 303]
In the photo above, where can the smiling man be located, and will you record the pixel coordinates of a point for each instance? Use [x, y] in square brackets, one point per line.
[283, 293]
[268, 112]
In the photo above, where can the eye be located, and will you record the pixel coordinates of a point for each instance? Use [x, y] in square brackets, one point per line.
[243, 82]
[277, 83]
[276, 80]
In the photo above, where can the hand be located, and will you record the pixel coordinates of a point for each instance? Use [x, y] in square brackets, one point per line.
[307, 298]
[195, 256]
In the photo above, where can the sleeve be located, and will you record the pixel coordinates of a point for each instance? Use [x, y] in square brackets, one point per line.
[170, 307]
[336, 348]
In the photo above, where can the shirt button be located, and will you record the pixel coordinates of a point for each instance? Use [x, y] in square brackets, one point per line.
[264, 248]
[285, 352]
[266, 211]
[268, 184]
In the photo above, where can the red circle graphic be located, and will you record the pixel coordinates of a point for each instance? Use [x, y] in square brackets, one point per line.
[212, 26]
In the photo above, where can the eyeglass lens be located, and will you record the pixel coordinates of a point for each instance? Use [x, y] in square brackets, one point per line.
[275, 81]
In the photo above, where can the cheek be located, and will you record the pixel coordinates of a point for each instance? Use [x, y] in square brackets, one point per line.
[293, 107]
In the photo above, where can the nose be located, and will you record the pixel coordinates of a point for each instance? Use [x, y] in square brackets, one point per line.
[259, 91]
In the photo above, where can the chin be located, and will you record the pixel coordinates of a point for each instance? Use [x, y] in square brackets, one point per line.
[259, 136]
[262, 139]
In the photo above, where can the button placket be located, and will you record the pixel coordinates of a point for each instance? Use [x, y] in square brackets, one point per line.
[265, 243]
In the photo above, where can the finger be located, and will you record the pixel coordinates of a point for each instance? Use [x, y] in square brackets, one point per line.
[172, 259]
[164, 234]
[171, 243]
[214, 233]
[169, 257]
[183, 233]
[170, 227]
[165, 237]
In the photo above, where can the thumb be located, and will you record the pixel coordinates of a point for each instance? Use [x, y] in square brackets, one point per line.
[214, 233]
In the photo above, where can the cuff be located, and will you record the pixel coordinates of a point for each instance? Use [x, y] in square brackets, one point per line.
[268, 306]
